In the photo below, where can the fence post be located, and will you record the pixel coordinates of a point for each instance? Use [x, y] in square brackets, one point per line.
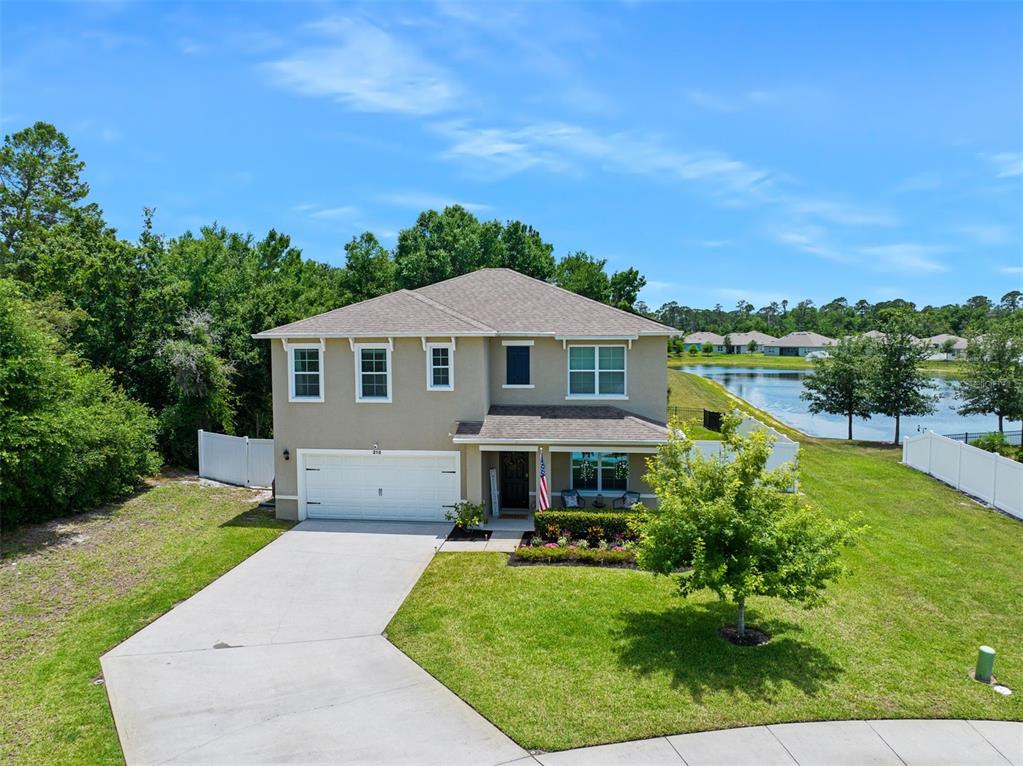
[994, 478]
[959, 466]
[248, 464]
[201, 440]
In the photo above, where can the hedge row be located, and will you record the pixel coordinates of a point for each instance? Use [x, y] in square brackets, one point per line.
[589, 525]
[592, 556]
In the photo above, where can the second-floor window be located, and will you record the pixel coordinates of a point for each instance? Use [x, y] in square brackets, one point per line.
[306, 374]
[440, 374]
[373, 373]
[516, 365]
[596, 371]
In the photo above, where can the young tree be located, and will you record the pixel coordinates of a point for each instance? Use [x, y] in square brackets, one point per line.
[898, 386]
[752, 346]
[841, 381]
[947, 347]
[728, 344]
[993, 383]
[693, 350]
[707, 348]
[736, 524]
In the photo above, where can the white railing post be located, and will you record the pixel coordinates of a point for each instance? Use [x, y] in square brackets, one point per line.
[248, 464]
[201, 466]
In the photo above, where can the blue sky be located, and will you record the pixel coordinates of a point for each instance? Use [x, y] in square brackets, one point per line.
[728, 151]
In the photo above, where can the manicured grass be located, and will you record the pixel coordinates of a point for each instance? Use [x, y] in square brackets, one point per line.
[562, 657]
[72, 589]
[686, 390]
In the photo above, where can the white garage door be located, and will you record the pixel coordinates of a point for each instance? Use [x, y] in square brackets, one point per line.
[357, 484]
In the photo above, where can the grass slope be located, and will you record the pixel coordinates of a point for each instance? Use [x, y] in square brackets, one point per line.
[563, 657]
[948, 368]
[72, 589]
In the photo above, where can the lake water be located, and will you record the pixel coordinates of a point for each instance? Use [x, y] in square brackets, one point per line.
[777, 392]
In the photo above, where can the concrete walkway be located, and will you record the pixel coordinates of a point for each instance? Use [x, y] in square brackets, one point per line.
[282, 660]
[841, 743]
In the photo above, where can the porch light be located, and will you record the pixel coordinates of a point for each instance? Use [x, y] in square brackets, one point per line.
[287, 455]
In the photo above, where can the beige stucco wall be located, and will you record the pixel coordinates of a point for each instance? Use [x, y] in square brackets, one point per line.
[548, 370]
[415, 419]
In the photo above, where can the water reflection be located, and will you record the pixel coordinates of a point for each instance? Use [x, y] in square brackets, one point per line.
[778, 392]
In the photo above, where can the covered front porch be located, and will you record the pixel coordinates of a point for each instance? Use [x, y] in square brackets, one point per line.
[597, 453]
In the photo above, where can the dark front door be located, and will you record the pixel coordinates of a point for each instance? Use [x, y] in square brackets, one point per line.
[515, 480]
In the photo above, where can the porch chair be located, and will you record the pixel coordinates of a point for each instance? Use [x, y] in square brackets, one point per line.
[627, 500]
[570, 498]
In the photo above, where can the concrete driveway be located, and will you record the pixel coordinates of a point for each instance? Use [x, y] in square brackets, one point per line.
[282, 660]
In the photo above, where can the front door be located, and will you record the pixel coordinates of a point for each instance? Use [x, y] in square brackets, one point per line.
[515, 480]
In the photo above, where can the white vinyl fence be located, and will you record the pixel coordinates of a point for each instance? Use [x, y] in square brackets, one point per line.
[996, 480]
[785, 450]
[236, 459]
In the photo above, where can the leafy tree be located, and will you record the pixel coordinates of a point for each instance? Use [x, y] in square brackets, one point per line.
[736, 524]
[624, 288]
[69, 438]
[729, 347]
[40, 186]
[752, 346]
[693, 351]
[993, 383]
[707, 348]
[899, 387]
[841, 381]
[369, 270]
[583, 274]
[202, 382]
[525, 251]
[947, 347]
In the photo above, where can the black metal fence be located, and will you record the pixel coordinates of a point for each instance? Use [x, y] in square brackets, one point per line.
[710, 419]
[1013, 437]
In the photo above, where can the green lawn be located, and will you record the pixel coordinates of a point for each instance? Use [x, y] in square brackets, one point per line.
[72, 589]
[562, 657]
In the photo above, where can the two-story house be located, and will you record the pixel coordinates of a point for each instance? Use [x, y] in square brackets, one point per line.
[400, 406]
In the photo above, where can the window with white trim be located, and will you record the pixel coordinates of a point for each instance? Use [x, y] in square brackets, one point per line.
[372, 372]
[305, 363]
[600, 471]
[596, 371]
[440, 367]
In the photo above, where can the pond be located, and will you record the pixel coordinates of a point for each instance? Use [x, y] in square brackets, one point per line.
[777, 392]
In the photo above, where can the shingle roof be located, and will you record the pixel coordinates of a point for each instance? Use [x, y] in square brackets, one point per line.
[803, 339]
[960, 344]
[704, 337]
[484, 302]
[559, 424]
[743, 338]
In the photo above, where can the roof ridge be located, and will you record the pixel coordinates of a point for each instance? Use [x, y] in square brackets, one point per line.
[448, 310]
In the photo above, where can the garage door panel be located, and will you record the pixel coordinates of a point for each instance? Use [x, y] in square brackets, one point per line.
[386, 486]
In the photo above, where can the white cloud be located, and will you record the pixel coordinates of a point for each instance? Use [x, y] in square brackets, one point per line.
[318, 212]
[907, 257]
[728, 104]
[714, 244]
[1011, 270]
[918, 182]
[987, 233]
[424, 201]
[812, 240]
[1006, 164]
[364, 67]
[567, 148]
[842, 213]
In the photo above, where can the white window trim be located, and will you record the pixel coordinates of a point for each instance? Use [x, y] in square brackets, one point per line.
[429, 367]
[596, 371]
[600, 480]
[516, 343]
[290, 347]
[518, 385]
[357, 348]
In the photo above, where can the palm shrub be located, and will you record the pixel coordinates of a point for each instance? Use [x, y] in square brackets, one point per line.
[735, 526]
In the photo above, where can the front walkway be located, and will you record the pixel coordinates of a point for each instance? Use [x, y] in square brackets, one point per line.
[283, 660]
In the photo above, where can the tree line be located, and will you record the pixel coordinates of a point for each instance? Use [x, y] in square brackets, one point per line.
[863, 376]
[839, 317]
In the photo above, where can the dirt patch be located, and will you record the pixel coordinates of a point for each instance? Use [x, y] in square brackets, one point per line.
[753, 637]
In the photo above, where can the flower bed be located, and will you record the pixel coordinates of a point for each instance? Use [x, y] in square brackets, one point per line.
[552, 553]
[592, 526]
[584, 539]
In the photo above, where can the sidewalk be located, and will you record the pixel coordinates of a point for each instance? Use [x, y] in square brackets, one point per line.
[841, 743]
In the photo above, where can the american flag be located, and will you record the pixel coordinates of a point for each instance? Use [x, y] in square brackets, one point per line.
[543, 500]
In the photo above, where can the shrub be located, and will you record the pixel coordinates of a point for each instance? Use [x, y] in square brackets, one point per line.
[581, 525]
[70, 440]
[466, 515]
[997, 443]
[558, 555]
[693, 350]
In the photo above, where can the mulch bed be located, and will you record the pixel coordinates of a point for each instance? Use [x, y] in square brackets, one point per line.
[753, 637]
[471, 535]
[515, 561]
